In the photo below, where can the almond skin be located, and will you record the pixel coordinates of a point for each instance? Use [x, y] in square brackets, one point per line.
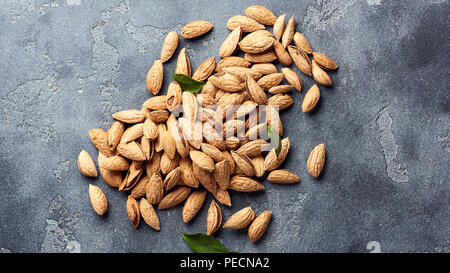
[316, 160]
[261, 15]
[324, 62]
[169, 46]
[155, 77]
[247, 24]
[283, 177]
[98, 199]
[195, 29]
[259, 226]
[311, 99]
[86, 164]
[240, 219]
[193, 204]
[214, 218]
[149, 215]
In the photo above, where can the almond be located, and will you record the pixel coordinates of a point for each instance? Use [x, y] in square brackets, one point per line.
[229, 46]
[133, 176]
[169, 47]
[168, 143]
[244, 184]
[212, 152]
[167, 164]
[247, 24]
[283, 101]
[261, 15]
[183, 63]
[259, 226]
[154, 189]
[113, 163]
[115, 132]
[265, 68]
[256, 43]
[193, 204]
[280, 89]
[154, 164]
[214, 218]
[278, 27]
[205, 178]
[292, 78]
[100, 139]
[158, 116]
[132, 133]
[223, 197]
[149, 215]
[156, 103]
[302, 43]
[253, 148]
[209, 89]
[270, 80]
[300, 59]
[265, 57]
[140, 188]
[258, 165]
[319, 75]
[155, 77]
[288, 33]
[112, 178]
[255, 91]
[316, 160]
[98, 199]
[130, 116]
[174, 198]
[273, 118]
[324, 62]
[232, 61]
[174, 95]
[226, 82]
[222, 174]
[205, 70]
[242, 72]
[202, 160]
[86, 165]
[195, 29]
[187, 173]
[272, 161]
[172, 179]
[282, 55]
[132, 151]
[240, 219]
[283, 177]
[133, 211]
[311, 99]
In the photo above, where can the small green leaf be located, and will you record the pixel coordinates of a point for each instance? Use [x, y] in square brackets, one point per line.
[202, 243]
[187, 83]
[274, 139]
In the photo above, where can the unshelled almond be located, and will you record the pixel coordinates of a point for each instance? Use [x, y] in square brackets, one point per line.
[195, 29]
[232, 61]
[316, 160]
[193, 204]
[155, 77]
[247, 24]
[155, 103]
[134, 214]
[292, 78]
[240, 219]
[300, 59]
[319, 75]
[100, 139]
[130, 116]
[214, 218]
[86, 164]
[288, 33]
[324, 61]
[278, 27]
[205, 69]
[115, 132]
[283, 177]
[271, 80]
[154, 189]
[98, 199]
[222, 174]
[229, 46]
[283, 101]
[282, 55]
[244, 184]
[261, 15]
[255, 91]
[311, 99]
[265, 57]
[169, 47]
[302, 43]
[183, 63]
[174, 198]
[149, 215]
[265, 68]
[259, 226]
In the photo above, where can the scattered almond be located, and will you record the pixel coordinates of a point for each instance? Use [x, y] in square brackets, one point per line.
[195, 29]
[240, 219]
[86, 165]
[316, 160]
[311, 99]
[259, 226]
[98, 199]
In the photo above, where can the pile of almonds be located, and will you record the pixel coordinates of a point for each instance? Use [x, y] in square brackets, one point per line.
[164, 158]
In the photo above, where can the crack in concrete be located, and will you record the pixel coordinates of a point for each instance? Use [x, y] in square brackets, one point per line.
[389, 147]
[326, 13]
[59, 230]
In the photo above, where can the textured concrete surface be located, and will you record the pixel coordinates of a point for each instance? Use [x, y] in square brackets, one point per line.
[67, 65]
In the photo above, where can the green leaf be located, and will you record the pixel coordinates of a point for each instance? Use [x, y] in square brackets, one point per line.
[274, 139]
[187, 83]
[202, 243]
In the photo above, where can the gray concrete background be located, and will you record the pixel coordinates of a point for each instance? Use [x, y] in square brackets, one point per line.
[66, 66]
